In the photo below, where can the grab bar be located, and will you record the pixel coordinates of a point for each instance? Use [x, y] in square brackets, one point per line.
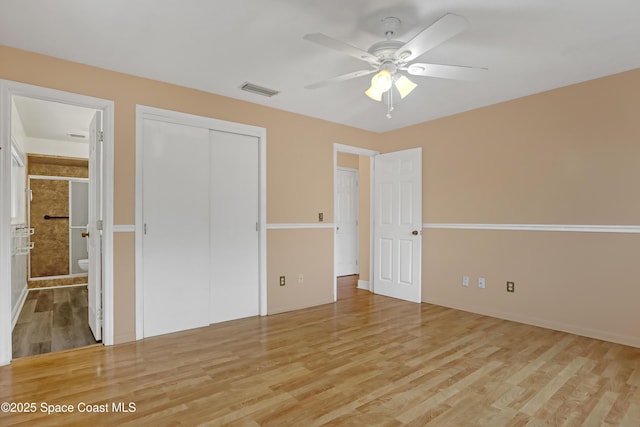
[55, 217]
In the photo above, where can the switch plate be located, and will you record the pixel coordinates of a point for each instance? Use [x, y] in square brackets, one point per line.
[481, 282]
[465, 280]
[511, 287]
[282, 280]
[300, 278]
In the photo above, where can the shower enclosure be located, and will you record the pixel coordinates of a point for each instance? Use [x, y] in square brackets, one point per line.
[58, 215]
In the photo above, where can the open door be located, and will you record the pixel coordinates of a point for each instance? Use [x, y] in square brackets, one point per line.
[94, 227]
[398, 224]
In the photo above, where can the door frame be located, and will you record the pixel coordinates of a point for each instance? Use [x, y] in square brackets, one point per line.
[342, 148]
[7, 90]
[144, 112]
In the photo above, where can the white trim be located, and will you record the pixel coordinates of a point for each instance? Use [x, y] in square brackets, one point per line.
[354, 150]
[7, 90]
[75, 285]
[58, 178]
[124, 228]
[344, 168]
[144, 112]
[364, 284]
[629, 340]
[66, 276]
[300, 226]
[18, 307]
[634, 229]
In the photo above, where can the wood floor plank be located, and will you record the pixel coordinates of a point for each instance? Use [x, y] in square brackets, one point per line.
[366, 360]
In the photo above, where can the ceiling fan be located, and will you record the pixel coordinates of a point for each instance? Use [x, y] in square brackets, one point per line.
[392, 58]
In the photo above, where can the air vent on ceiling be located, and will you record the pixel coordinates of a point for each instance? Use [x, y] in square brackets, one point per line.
[75, 133]
[259, 90]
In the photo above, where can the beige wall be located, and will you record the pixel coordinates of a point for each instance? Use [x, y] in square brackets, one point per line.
[299, 170]
[347, 160]
[294, 252]
[568, 156]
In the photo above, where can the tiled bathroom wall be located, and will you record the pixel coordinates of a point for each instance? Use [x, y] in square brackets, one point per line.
[50, 254]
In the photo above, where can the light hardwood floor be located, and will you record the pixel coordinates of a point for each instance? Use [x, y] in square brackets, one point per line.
[366, 360]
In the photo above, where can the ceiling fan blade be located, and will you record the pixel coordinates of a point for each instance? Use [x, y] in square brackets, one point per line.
[456, 72]
[341, 78]
[438, 32]
[340, 46]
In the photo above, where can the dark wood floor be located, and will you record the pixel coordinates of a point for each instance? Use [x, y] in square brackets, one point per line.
[366, 360]
[52, 320]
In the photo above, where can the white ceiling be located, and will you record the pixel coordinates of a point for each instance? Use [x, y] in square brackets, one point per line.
[528, 46]
[53, 120]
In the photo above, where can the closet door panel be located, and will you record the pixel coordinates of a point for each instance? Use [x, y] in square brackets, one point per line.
[176, 194]
[234, 218]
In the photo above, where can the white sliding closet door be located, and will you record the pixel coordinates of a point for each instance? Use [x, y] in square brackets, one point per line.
[234, 226]
[176, 189]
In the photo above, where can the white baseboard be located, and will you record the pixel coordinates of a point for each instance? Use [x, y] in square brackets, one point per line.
[15, 313]
[632, 341]
[294, 307]
[364, 284]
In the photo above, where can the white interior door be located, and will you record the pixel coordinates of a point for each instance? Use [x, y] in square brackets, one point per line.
[94, 227]
[175, 210]
[347, 222]
[398, 224]
[235, 291]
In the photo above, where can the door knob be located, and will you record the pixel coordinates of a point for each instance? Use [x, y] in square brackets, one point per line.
[85, 234]
[415, 232]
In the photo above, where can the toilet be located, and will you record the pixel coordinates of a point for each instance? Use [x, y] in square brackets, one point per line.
[83, 264]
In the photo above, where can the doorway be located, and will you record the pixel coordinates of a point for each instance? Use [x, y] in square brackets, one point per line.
[352, 247]
[347, 219]
[34, 127]
[394, 220]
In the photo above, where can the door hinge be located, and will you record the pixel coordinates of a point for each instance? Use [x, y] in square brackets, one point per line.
[99, 225]
[257, 226]
[145, 228]
[101, 136]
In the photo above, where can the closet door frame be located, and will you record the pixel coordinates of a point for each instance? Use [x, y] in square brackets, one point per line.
[151, 113]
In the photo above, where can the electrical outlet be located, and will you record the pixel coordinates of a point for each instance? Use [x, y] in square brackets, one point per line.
[511, 287]
[481, 282]
[300, 278]
[320, 217]
[465, 280]
[282, 280]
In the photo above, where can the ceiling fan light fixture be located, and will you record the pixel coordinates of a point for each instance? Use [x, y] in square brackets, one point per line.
[404, 86]
[374, 94]
[381, 82]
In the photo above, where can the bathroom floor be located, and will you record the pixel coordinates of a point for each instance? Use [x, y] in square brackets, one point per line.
[52, 320]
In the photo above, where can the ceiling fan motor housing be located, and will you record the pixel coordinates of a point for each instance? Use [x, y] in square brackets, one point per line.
[386, 50]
